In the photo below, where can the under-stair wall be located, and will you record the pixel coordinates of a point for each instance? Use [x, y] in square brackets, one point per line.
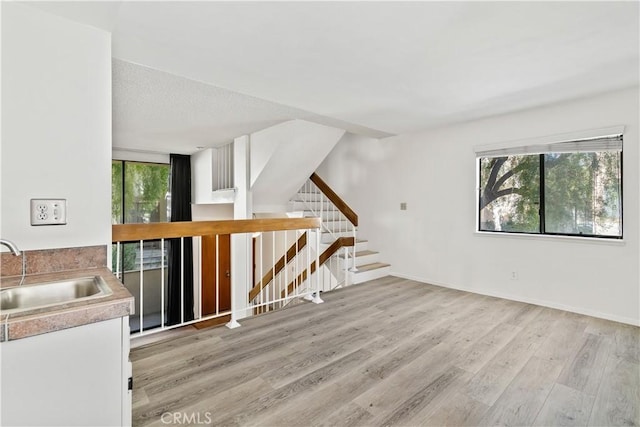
[283, 156]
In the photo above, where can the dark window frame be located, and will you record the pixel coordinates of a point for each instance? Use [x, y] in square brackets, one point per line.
[541, 207]
[123, 195]
[123, 204]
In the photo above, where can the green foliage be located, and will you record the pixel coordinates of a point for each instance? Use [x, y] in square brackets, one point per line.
[128, 254]
[116, 192]
[582, 193]
[511, 186]
[145, 191]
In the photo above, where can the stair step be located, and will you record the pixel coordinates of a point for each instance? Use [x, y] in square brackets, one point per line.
[361, 253]
[372, 271]
[363, 257]
[372, 266]
[366, 252]
[362, 245]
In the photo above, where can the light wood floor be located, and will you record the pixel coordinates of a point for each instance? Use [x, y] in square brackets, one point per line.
[396, 352]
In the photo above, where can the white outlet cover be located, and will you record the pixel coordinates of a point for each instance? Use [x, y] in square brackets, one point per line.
[48, 211]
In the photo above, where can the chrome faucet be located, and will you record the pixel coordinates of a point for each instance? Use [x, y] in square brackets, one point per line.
[14, 250]
[12, 246]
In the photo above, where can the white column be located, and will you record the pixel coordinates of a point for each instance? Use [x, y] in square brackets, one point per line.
[241, 261]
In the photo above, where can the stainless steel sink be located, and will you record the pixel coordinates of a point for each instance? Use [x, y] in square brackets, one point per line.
[39, 295]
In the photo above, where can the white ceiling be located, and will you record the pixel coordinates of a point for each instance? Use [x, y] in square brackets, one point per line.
[380, 67]
[160, 112]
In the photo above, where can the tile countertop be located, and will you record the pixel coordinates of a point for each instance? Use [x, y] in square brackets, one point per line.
[42, 320]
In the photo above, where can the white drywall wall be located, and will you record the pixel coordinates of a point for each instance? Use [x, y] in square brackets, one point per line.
[435, 241]
[282, 159]
[202, 175]
[56, 127]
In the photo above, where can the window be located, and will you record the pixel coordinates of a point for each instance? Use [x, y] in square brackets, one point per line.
[139, 193]
[571, 188]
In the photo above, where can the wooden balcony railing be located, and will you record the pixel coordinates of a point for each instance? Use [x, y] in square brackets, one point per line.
[210, 231]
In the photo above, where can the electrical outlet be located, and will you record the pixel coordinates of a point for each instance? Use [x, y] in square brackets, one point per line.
[514, 275]
[403, 206]
[48, 211]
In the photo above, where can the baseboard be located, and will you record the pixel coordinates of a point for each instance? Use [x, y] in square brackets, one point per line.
[543, 303]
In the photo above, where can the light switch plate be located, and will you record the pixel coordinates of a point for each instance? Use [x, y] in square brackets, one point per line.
[48, 211]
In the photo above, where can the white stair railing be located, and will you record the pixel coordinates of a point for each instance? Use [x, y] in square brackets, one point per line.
[283, 271]
[287, 276]
[223, 165]
[335, 223]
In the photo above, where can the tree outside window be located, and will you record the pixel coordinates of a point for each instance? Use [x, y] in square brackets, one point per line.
[576, 193]
[139, 194]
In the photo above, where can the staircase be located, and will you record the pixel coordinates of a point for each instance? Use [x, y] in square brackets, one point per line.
[315, 260]
[316, 199]
[368, 264]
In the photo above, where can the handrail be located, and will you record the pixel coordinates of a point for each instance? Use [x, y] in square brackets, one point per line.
[335, 199]
[332, 249]
[279, 266]
[168, 230]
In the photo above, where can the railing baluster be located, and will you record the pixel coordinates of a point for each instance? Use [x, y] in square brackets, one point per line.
[321, 204]
[329, 273]
[217, 273]
[296, 270]
[353, 250]
[308, 264]
[141, 284]
[317, 298]
[118, 273]
[229, 166]
[162, 283]
[346, 267]
[218, 163]
[223, 165]
[262, 291]
[273, 267]
[182, 280]
[286, 266]
[199, 295]
[333, 216]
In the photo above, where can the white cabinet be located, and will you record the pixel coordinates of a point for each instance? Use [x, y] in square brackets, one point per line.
[72, 377]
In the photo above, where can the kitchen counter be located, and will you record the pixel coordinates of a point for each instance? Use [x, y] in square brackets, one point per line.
[43, 320]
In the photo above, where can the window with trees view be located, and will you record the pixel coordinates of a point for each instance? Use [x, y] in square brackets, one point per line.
[572, 188]
[139, 194]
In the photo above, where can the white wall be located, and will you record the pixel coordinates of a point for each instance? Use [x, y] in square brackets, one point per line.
[56, 127]
[282, 159]
[435, 241]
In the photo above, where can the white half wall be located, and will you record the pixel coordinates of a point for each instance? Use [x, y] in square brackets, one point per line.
[435, 241]
[56, 127]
